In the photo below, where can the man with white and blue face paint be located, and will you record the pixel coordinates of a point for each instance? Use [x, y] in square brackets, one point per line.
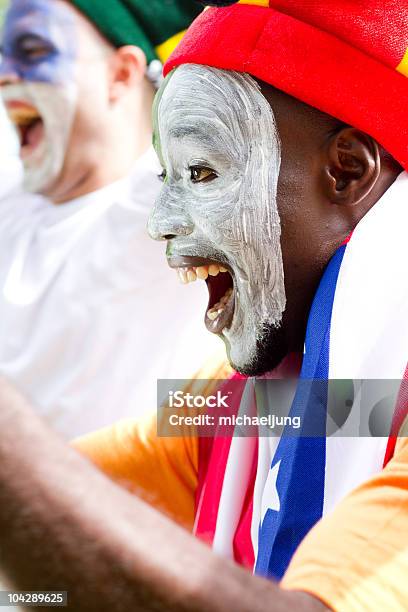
[62, 82]
[38, 76]
[81, 328]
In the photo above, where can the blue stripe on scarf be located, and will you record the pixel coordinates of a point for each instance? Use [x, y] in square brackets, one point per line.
[300, 481]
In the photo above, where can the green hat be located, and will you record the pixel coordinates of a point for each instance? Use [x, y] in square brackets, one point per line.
[156, 26]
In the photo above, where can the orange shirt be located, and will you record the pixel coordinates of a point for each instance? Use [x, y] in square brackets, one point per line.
[354, 559]
[162, 471]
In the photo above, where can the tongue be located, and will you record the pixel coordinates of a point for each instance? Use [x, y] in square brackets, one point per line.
[34, 134]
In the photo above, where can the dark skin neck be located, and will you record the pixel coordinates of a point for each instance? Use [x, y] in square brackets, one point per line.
[330, 177]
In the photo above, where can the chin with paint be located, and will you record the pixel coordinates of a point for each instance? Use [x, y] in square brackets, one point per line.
[216, 136]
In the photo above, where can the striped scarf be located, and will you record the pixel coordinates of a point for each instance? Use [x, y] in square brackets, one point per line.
[259, 497]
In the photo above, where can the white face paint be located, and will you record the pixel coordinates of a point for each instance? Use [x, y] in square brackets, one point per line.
[217, 126]
[44, 156]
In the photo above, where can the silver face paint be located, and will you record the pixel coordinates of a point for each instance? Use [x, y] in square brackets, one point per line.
[220, 120]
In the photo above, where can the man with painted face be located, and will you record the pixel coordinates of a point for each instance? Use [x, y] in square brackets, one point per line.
[82, 330]
[285, 181]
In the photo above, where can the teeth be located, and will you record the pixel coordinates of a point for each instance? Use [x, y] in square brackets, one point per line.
[23, 116]
[219, 307]
[189, 275]
[182, 276]
[224, 298]
[214, 312]
[214, 270]
[202, 272]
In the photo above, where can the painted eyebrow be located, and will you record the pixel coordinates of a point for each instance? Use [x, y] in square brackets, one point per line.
[180, 132]
[30, 35]
[21, 33]
[183, 131]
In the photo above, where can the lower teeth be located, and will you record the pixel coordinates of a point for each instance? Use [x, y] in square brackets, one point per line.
[219, 307]
[212, 315]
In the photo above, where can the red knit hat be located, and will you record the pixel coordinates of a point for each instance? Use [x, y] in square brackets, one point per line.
[348, 58]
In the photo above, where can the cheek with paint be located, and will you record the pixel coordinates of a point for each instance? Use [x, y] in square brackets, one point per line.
[38, 84]
[220, 122]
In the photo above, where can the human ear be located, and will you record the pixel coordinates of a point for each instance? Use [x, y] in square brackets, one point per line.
[128, 68]
[352, 166]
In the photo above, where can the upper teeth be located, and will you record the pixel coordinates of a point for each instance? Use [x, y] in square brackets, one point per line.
[189, 275]
[23, 116]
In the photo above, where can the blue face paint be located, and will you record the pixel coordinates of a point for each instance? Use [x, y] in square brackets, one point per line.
[39, 41]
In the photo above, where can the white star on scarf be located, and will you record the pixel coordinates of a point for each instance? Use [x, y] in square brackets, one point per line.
[270, 497]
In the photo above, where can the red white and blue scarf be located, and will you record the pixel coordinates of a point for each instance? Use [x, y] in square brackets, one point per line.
[259, 497]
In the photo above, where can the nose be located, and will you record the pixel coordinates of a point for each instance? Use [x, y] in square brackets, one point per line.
[169, 218]
[8, 79]
[8, 76]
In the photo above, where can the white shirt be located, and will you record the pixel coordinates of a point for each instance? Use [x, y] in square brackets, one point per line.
[90, 314]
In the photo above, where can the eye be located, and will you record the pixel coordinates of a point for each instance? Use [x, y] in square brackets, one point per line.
[202, 174]
[31, 48]
[163, 176]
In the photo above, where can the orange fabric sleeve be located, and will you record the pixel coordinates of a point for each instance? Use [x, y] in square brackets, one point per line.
[356, 558]
[161, 470]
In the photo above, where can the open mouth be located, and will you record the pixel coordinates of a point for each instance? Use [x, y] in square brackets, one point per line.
[29, 124]
[220, 284]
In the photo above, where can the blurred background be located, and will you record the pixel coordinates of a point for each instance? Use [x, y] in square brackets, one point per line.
[2, 8]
